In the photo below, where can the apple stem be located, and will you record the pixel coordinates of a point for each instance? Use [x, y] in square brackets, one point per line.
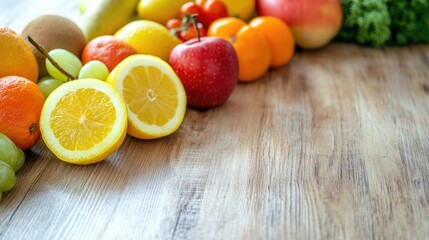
[195, 22]
[46, 54]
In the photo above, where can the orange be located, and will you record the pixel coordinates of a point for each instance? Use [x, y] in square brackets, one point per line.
[279, 36]
[252, 48]
[16, 57]
[21, 103]
[107, 49]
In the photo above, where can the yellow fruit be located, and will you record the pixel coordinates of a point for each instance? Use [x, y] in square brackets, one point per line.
[154, 95]
[148, 37]
[84, 121]
[83, 5]
[159, 10]
[243, 9]
[105, 17]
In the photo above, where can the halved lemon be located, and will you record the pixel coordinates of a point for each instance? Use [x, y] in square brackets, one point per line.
[154, 95]
[84, 121]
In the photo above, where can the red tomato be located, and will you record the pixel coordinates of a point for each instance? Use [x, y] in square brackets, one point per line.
[190, 8]
[200, 3]
[173, 23]
[212, 10]
[192, 33]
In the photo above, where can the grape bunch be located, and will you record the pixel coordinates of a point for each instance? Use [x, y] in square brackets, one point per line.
[11, 160]
[67, 66]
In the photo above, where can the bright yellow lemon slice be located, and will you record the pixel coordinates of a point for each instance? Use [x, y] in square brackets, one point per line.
[84, 121]
[154, 95]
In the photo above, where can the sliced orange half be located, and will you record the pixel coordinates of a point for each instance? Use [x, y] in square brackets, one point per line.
[84, 121]
[154, 95]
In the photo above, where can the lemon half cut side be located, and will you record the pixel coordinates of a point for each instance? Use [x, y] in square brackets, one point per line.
[154, 95]
[84, 121]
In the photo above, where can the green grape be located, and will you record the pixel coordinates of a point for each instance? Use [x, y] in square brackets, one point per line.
[7, 177]
[48, 86]
[67, 60]
[94, 69]
[44, 78]
[10, 153]
[21, 159]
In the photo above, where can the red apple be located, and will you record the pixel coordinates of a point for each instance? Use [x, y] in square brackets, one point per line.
[314, 23]
[208, 69]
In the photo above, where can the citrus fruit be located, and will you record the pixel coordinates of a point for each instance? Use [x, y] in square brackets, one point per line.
[16, 57]
[21, 102]
[84, 121]
[155, 96]
[107, 49]
[252, 47]
[148, 37]
[279, 36]
[159, 10]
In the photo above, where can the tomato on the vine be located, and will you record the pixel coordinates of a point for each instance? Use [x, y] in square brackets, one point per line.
[200, 3]
[212, 10]
[190, 8]
[207, 10]
[202, 11]
[173, 23]
[192, 32]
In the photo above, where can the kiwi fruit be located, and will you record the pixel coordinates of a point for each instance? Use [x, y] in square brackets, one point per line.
[54, 31]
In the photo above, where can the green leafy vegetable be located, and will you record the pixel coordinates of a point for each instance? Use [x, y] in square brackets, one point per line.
[410, 21]
[380, 22]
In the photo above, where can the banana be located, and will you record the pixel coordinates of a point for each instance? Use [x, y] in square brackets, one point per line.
[105, 17]
[83, 5]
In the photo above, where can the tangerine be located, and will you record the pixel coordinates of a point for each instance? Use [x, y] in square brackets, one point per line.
[16, 57]
[252, 48]
[279, 36]
[107, 49]
[21, 102]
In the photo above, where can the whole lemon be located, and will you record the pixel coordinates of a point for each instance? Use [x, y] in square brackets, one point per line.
[159, 10]
[243, 9]
[148, 37]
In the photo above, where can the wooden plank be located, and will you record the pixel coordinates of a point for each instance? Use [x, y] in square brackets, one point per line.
[334, 145]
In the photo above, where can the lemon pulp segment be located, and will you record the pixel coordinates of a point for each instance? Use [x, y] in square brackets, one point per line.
[154, 95]
[150, 95]
[82, 119]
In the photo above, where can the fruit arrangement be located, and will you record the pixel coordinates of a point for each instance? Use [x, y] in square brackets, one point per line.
[132, 68]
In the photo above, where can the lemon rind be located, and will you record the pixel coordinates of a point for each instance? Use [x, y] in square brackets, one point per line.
[102, 149]
[137, 128]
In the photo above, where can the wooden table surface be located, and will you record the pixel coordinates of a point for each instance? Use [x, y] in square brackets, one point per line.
[335, 145]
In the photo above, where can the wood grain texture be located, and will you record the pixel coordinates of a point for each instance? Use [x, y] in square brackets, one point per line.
[334, 145]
